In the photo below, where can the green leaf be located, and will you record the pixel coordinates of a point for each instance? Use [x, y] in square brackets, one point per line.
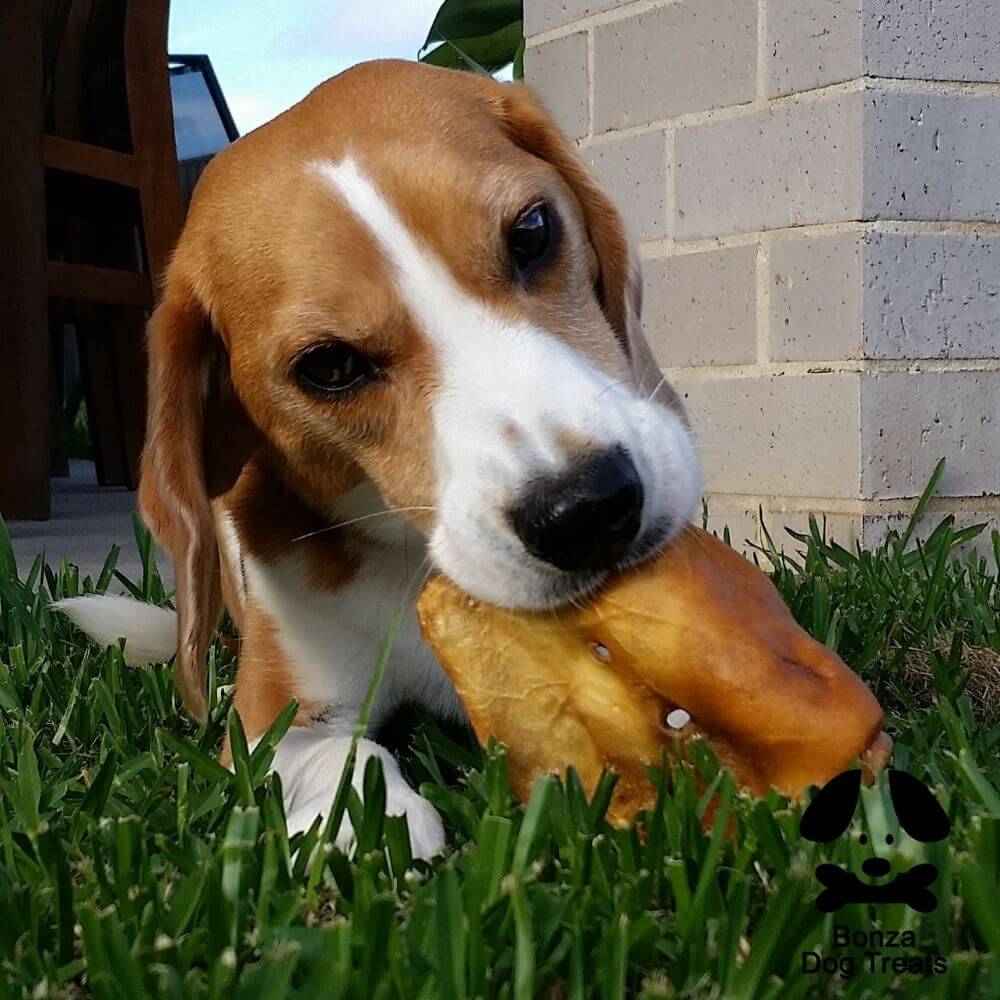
[981, 896]
[263, 752]
[96, 799]
[29, 786]
[535, 824]
[468, 18]
[241, 759]
[450, 937]
[8, 563]
[480, 54]
[921, 505]
[765, 941]
[208, 767]
[524, 944]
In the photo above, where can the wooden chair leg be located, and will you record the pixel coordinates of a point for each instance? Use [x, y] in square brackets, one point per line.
[148, 83]
[101, 394]
[24, 335]
[127, 330]
[59, 464]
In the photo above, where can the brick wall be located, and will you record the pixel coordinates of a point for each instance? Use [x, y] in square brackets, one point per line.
[815, 185]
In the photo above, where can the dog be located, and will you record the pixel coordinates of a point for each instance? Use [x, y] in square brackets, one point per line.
[400, 334]
[919, 814]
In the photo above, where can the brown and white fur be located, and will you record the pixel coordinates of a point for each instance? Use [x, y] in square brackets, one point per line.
[374, 213]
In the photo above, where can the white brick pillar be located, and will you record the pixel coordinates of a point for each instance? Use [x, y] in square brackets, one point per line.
[816, 188]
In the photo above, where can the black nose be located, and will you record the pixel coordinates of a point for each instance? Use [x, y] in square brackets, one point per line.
[875, 867]
[585, 519]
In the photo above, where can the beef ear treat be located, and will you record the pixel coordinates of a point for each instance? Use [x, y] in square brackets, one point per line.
[698, 635]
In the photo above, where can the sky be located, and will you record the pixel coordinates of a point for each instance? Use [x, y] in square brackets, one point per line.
[268, 54]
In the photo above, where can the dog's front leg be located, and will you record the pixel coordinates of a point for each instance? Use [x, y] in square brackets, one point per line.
[310, 761]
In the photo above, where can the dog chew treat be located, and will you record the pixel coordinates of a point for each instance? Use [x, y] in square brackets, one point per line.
[695, 643]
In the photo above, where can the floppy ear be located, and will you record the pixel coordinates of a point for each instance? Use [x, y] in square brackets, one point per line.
[187, 381]
[918, 812]
[829, 814]
[619, 282]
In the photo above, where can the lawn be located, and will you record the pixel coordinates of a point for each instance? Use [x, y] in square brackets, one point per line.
[132, 864]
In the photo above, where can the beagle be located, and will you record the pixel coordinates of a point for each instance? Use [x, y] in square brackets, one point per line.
[400, 333]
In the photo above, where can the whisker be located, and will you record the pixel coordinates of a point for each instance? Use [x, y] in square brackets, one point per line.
[613, 385]
[424, 570]
[659, 385]
[358, 520]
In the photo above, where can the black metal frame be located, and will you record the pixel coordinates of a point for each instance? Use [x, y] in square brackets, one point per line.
[203, 65]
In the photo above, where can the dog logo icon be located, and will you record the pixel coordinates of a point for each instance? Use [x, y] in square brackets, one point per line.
[919, 814]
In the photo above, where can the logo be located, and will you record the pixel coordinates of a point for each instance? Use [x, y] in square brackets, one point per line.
[876, 951]
[919, 814]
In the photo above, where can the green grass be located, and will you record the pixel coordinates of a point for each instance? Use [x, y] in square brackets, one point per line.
[132, 864]
[77, 436]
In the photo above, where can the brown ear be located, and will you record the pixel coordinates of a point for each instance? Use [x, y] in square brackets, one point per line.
[619, 285]
[189, 391]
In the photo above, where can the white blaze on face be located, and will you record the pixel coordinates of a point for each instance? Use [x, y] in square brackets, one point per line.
[508, 392]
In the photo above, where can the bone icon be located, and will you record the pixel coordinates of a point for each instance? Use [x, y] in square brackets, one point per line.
[843, 887]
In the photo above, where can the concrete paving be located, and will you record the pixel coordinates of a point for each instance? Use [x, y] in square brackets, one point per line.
[86, 520]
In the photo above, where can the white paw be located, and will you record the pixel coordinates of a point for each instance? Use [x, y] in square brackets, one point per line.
[310, 764]
[422, 819]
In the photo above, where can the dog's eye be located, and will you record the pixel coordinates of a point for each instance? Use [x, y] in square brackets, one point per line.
[531, 239]
[331, 368]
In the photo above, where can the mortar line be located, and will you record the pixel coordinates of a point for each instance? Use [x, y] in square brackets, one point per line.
[758, 105]
[762, 61]
[655, 249]
[871, 366]
[778, 504]
[670, 192]
[763, 311]
[732, 112]
[947, 88]
[943, 227]
[620, 13]
[591, 86]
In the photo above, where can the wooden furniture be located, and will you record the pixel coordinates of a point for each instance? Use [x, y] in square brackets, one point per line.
[88, 167]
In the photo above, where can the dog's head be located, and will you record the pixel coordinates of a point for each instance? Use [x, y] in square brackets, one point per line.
[919, 814]
[410, 278]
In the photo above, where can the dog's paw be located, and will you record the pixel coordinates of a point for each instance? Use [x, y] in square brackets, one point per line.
[422, 819]
[306, 762]
[426, 829]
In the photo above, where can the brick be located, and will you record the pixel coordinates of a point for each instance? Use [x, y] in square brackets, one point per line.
[932, 156]
[845, 529]
[686, 56]
[932, 296]
[885, 296]
[634, 173]
[877, 527]
[910, 421]
[792, 436]
[812, 43]
[937, 40]
[816, 298]
[700, 308]
[742, 522]
[789, 166]
[544, 15]
[558, 71]
[745, 532]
